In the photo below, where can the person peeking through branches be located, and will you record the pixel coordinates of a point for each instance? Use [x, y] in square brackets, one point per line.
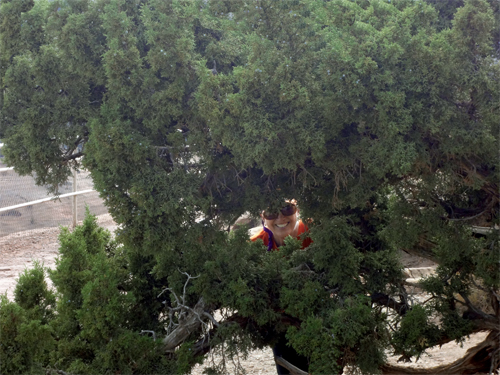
[279, 223]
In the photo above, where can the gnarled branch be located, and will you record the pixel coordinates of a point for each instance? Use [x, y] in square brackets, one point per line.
[189, 319]
[191, 323]
[476, 360]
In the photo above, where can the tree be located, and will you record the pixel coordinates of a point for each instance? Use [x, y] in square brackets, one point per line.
[380, 118]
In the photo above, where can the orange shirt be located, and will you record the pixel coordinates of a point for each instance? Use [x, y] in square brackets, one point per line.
[265, 237]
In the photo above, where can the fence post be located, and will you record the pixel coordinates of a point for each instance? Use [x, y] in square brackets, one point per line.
[75, 200]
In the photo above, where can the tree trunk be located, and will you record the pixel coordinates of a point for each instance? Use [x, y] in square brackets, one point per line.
[482, 358]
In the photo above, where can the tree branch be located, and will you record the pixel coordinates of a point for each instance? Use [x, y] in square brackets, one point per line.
[476, 360]
[386, 301]
[72, 156]
[149, 331]
[191, 323]
[53, 370]
[189, 319]
[293, 369]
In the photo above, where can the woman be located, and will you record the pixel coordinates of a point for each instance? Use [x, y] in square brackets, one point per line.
[277, 225]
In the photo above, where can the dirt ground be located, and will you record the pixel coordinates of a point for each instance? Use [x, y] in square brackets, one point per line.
[15, 190]
[19, 250]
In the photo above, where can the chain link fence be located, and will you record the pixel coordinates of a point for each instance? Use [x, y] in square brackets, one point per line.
[18, 190]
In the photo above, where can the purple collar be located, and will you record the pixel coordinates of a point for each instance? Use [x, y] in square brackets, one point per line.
[270, 245]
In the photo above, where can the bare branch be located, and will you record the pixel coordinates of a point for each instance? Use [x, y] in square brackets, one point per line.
[184, 320]
[211, 318]
[171, 291]
[387, 301]
[467, 218]
[479, 286]
[72, 156]
[183, 330]
[189, 277]
[153, 332]
[473, 308]
[495, 294]
[293, 369]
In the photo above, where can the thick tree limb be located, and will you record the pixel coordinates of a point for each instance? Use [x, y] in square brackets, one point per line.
[293, 370]
[482, 358]
[482, 322]
[189, 319]
[72, 156]
[191, 323]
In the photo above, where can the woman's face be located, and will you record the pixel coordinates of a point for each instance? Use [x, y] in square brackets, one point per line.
[283, 226]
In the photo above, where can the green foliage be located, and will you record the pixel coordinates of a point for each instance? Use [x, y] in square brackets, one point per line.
[87, 325]
[33, 295]
[309, 339]
[380, 118]
[415, 332]
[95, 305]
[26, 336]
[25, 341]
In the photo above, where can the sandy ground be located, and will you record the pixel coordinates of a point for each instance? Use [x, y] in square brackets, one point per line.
[20, 250]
